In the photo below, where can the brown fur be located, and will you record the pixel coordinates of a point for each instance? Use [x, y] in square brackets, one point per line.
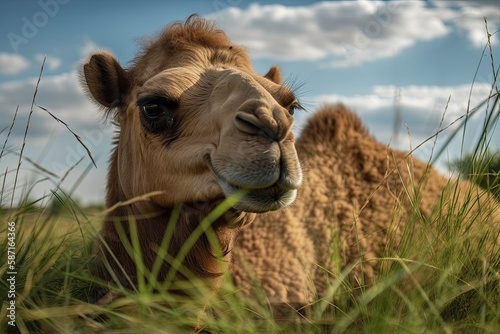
[225, 122]
[197, 39]
[355, 203]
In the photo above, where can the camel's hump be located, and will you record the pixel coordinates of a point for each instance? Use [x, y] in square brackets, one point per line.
[332, 122]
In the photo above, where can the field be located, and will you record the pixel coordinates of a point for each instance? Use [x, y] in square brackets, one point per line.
[456, 289]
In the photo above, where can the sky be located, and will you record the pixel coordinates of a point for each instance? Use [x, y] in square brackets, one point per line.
[407, 68]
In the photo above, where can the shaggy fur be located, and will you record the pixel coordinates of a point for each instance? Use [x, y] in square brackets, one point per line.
[357, 198]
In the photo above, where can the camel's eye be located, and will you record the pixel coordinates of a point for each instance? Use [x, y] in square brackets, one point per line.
[152, 110]
[294, 106]
[158, 115]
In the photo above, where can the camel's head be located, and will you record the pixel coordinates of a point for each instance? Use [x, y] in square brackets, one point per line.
[197, 123]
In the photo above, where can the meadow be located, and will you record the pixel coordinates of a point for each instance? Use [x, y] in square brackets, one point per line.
[455, 290]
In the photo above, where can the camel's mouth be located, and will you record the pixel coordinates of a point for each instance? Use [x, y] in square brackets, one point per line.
[257, 200]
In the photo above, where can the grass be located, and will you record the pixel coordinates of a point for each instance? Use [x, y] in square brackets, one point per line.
[446, 282]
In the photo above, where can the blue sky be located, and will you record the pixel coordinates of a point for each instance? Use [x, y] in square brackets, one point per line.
[370, 55]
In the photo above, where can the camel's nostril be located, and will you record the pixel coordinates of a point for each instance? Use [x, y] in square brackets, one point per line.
[247, 123]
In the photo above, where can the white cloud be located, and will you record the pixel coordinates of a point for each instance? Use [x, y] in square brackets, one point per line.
[61, 94]
[51, 62]
[472, 22]
[12, 63]
[348, 32]
[468, 17]
[88, 47]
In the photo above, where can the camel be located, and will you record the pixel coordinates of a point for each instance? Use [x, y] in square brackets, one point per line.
[199, 128]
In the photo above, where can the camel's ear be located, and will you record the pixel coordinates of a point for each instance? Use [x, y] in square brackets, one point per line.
[105, 79]
[274, 74]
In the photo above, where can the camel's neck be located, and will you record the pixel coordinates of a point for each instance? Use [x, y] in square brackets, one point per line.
[170, 237]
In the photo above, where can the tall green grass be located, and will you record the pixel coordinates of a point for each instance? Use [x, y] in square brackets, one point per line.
[447, 282]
